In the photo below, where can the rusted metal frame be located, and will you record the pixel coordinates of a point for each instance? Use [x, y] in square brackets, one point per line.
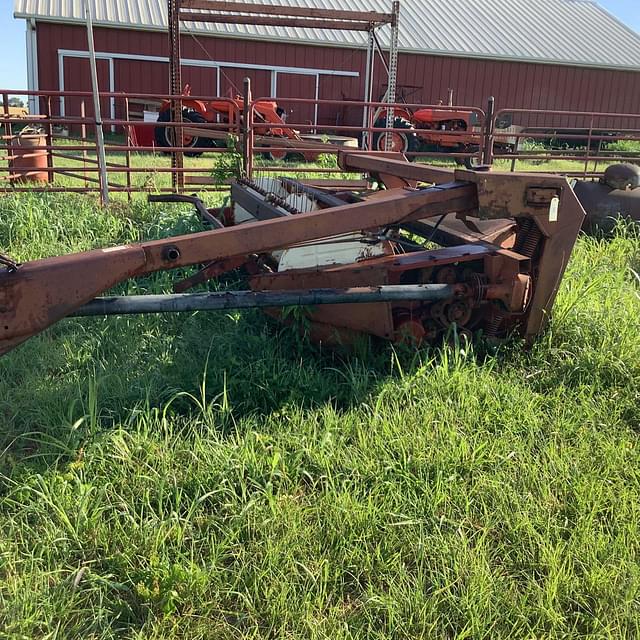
[208, 272]
[397, 206]
[395, 166]
[82, 176]
[42, 292]
[8, 128]
[247, 130]
[392, 70]
[280, 10]
[336, 183]
[50, 189]
[127, 116]
[186, 16]
[586, 162]
[205, 214]
[504, 195]
[488, 129]
[83, 135]
[119, 168]
[175, 88]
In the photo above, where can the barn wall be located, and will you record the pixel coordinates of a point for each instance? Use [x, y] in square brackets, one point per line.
[514, 84]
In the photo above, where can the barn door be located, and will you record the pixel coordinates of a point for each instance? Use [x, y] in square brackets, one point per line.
[232, 80]
[296, 85]
[77, 77]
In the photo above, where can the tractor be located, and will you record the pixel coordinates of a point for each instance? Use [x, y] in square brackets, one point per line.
[440, 130]
[223, 111]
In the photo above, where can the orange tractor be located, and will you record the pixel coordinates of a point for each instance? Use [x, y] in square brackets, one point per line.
[223, 112]
[440, 130]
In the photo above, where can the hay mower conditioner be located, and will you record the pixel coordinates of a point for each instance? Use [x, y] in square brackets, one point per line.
[430, 249]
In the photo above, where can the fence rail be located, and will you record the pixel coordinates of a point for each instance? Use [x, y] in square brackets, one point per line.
[188, 146]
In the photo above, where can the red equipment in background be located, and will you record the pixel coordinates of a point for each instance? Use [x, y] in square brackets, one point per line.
[222, 112]
[446, 129]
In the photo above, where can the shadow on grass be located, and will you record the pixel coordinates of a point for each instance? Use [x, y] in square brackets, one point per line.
[82, 376]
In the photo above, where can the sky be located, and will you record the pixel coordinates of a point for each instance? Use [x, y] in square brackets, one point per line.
[13, 69]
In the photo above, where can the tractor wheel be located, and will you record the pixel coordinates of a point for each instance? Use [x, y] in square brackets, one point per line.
[400, 141]
[164, 136]
[280, 156]
[472, 162]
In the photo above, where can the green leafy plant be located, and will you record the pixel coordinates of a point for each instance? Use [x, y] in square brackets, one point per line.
[229, 164]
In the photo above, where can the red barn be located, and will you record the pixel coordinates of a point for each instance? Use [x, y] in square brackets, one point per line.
[535, 54]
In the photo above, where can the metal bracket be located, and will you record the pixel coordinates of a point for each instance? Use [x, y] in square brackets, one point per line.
[9, 263]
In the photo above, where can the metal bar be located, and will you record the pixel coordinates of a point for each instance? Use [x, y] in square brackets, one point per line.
[83, 135]
[102, 159]
[400, 168]
[175, 88]
[8, 128]
[223, 300]
[247, 129]
[586, 162]
[218, 18]
[278, 10]
[488, 129]
[367, 91]
[193, 200]
[393, 72]
[128, 151]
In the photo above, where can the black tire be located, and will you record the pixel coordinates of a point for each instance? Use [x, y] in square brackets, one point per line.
[279, 156]
[163, 135]
[410, 141]
[472, 162]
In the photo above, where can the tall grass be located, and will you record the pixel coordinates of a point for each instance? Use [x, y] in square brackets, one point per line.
[216, 476]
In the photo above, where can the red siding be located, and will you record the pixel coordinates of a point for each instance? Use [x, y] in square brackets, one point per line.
[514, 84]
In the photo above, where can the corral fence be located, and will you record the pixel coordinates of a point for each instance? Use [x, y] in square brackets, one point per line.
[166, 143]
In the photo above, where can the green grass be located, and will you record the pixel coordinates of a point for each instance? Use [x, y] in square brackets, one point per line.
[216, 476]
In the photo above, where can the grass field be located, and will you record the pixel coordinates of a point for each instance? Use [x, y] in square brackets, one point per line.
[216, 476]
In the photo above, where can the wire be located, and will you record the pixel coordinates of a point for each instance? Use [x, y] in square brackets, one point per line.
[219, 67]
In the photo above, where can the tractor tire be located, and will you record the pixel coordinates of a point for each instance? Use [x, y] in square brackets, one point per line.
[276, 156]
[400, 142]
[472, 162]
[164, 135]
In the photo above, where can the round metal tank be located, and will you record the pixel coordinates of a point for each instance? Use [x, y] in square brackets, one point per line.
[27, 163]
[616, 195]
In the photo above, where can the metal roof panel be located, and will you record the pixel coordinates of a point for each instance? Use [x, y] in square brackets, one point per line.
[575, 32]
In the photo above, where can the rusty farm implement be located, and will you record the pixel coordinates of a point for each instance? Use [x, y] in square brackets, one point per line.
[411, 254]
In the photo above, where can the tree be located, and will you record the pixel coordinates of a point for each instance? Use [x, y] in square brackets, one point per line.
[16, 102]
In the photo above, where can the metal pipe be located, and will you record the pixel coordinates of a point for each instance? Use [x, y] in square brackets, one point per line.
[486, 152]
[102, 159]
[177, 302]
[367, 90]
[247, 129]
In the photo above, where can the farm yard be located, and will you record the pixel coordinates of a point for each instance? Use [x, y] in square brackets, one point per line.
[455, 458]
[216, 475]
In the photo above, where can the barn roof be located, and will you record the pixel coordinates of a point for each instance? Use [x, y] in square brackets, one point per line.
[574, 32]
